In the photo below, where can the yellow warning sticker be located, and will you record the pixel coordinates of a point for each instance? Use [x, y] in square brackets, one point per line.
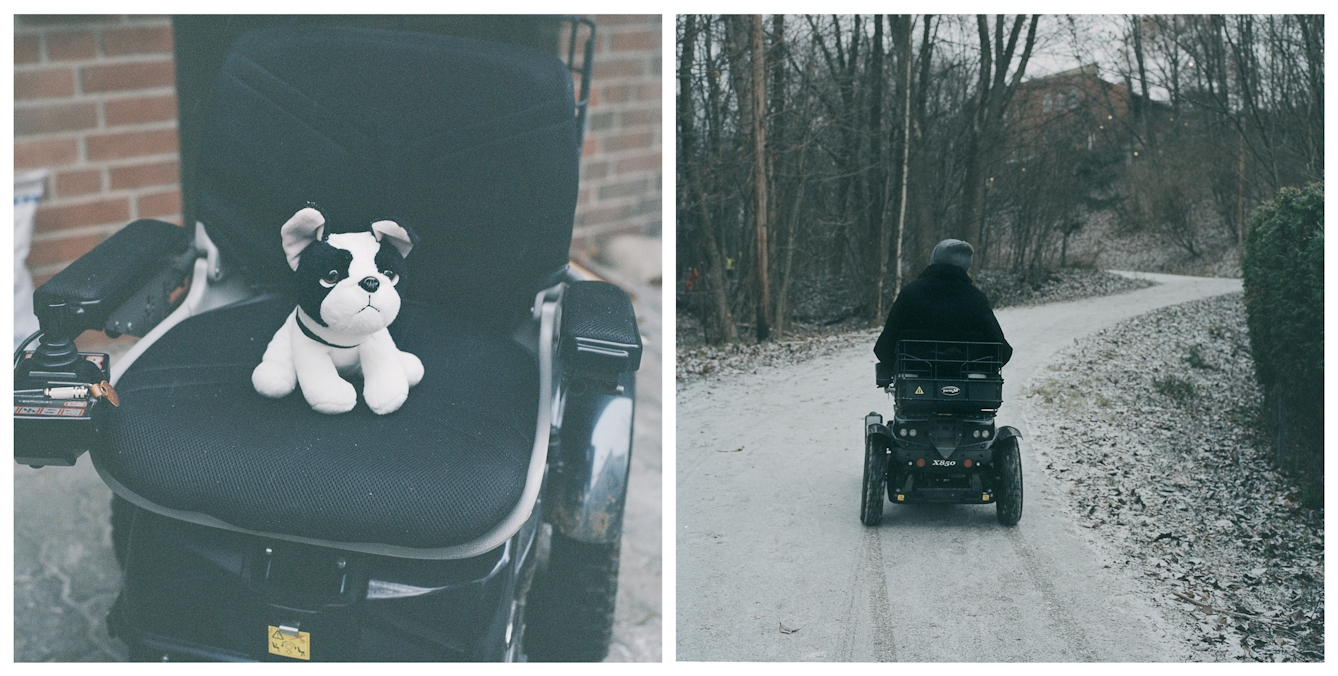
[918, 390]
[287, 645]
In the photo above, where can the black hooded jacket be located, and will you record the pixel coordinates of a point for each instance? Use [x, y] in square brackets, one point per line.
[941, 304]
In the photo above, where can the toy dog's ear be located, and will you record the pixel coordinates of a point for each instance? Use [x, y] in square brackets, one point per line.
[400, 237]
[305, 227]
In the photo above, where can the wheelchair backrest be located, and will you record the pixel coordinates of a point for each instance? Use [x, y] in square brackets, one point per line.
[474, 145]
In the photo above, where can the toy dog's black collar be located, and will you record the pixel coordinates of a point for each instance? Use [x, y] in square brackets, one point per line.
[317, 338]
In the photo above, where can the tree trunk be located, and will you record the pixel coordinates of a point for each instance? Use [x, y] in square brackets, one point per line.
[904, 174]
[780, 227]
[994, 90]
[759, 100]
[876, 183]
[715, 268]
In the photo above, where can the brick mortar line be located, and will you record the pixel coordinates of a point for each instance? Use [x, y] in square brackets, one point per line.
[618, 134]
[121, 163]
[160, 125]
[118, 60]
[631, 215]
[112, 96]
[83, 97]
[616, 201]
[90, 198]
[621, 154]
[649, 190]
[622, 109]
[98, 131]
[130, 20]
[621, 177]
[624, 80]
[618, 178]
[81, 231]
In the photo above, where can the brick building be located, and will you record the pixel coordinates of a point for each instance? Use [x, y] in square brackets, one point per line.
[95, 105]
[1076, 104]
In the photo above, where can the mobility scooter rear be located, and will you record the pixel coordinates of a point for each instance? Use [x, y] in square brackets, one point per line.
[942, 444]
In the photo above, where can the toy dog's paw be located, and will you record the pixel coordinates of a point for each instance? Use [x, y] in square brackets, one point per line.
[273, 380]
[383, 400]
[413, 368]
[337, 397]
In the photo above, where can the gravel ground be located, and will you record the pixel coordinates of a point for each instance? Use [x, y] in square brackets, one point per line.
[804, 342]
[1151, 426]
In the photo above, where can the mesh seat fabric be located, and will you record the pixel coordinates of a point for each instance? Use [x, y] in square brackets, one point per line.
[192, 434]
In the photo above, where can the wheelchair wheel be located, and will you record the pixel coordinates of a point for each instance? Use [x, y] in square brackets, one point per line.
[122, 515]
[875, 478]
[1008, 464]
[570, 617]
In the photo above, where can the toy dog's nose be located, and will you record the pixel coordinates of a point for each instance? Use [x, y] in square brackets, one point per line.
[370, 284]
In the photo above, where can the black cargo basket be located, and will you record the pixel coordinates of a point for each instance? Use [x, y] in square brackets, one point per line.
[948, 376]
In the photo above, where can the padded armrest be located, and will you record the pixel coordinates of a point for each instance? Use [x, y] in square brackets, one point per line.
[599, 332]
[883, 373]
[84, 295]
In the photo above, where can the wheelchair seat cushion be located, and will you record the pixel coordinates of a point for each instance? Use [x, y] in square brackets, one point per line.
[191, 434]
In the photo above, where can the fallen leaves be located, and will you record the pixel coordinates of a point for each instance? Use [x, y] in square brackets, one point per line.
[1186, 492]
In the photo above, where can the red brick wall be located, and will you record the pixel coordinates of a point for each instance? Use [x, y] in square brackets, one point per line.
[95, 105]
[620, 172]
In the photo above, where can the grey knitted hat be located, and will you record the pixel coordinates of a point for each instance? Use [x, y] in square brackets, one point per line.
[954, 252]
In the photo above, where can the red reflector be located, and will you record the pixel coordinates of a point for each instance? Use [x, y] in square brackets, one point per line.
[966, 463]
[920, 462]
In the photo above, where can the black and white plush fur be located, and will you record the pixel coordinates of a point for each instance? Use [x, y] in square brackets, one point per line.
[346, 299]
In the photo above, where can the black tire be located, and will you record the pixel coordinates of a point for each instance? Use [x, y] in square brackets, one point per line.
[875, 480]
[569, 617]
[122, 516]
[1008, 485]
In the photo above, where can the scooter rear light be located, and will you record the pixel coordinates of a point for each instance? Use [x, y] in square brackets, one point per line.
[966, 463]
[920, 462]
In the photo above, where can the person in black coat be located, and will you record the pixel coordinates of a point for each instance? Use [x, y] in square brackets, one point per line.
[941, 304]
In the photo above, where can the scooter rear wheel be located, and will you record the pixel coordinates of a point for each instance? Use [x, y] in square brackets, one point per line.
[1008, 464]
[875, 478]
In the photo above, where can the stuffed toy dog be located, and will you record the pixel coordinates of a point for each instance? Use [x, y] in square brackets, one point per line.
[345, 286]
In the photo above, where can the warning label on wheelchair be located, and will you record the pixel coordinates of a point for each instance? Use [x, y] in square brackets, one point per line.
[49, 411]
[283, 644]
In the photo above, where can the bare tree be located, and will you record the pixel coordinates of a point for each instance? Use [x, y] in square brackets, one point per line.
[759, 129]
[994, 90]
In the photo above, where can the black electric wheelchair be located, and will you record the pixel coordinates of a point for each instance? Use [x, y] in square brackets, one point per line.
[942, 445]
[482, 520]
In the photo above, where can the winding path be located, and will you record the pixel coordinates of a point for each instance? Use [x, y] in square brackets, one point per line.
[773, 563]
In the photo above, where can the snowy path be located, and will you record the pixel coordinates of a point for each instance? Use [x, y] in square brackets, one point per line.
[768, 485]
